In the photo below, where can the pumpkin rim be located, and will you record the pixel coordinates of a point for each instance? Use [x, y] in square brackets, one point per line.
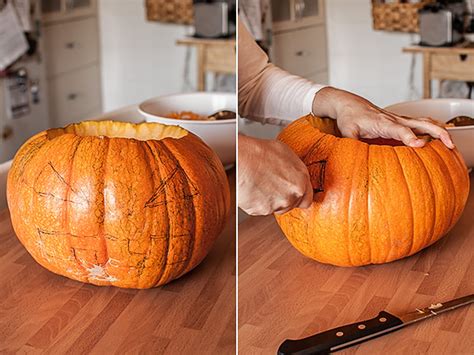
[144, 131]
[326, 121]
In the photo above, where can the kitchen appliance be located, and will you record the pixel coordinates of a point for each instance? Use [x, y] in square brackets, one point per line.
[356, 333]
[24, 108]
[442, 23]
[214, 19]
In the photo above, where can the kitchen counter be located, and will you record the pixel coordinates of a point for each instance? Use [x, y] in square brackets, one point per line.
[41, 311]
[283, 294]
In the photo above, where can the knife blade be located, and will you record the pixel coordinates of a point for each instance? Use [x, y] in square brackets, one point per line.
[348, 335]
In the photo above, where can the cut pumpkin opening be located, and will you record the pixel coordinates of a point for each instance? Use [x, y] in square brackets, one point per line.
[329, 126]
[115, 129]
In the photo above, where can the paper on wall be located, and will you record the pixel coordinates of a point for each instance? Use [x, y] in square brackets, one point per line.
[22, 8]
[13, 43]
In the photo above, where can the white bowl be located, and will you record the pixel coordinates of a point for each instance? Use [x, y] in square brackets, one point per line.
[219, 135]
[443, 110]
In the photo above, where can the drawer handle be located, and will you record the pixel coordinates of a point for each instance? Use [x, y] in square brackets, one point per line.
[302, 53]
[7, 132]
[72, 96]
[71, 45]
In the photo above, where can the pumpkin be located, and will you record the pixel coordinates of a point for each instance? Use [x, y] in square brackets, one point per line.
[113, 203]
[374, 202]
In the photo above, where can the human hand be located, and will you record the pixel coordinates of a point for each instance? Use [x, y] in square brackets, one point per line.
[359, 118]
[272, 179]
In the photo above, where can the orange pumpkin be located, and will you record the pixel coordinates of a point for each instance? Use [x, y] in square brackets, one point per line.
[121, 204]
[374, 203]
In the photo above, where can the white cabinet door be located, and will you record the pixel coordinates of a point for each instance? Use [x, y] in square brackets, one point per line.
[301, 52]
[59, 10]
[294, 14]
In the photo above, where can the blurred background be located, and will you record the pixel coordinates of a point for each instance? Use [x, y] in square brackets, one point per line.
[64, 61]
[387, 51]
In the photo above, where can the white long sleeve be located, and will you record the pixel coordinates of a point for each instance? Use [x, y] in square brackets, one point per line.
[267, 93]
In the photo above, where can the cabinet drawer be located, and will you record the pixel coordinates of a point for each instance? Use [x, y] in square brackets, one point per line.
[71, 45]
[452, 66]
[301, 52]
[75, 95]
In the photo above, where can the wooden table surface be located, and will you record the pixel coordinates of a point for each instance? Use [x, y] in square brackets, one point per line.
[41, 312]
[283, 294]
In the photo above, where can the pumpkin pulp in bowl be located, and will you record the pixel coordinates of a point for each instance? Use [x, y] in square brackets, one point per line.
[112, 203]
[374, 203]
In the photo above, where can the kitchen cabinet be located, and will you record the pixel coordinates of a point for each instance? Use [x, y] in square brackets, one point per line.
[63, 10]
[292, 14]
[299, 40]
[72, 60]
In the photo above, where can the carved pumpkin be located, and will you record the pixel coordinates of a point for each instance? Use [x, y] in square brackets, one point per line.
[374, 203]
[113, 203]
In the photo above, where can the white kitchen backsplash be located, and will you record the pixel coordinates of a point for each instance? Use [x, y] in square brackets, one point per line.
[140, 59]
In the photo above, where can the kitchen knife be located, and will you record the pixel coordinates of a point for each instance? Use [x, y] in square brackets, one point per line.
[348, 335]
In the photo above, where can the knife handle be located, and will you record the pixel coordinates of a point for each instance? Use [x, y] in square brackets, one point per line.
[341, 337]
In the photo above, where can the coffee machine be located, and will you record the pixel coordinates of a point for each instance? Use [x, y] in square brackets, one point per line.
[214, 19]
[446, 22]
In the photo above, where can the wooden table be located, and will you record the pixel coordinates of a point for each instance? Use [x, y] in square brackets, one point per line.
[283, 294]
[213, 55]
[444, 63]
[44, 312]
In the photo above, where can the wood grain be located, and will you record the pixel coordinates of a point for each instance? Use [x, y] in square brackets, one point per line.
[283, 294]
[41, 312]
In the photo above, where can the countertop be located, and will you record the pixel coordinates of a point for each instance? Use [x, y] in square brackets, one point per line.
[283, 294]
[44, 312]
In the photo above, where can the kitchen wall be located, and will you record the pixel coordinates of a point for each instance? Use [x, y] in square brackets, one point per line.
[139, 58]
[368, 62]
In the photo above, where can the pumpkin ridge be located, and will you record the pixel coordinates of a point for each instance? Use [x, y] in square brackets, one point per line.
[151, 144]
[409, 199]
[187, 193]
[428, 238]
[450, 180]
[367, 205]
[101, 231]
[66, 205]
[146, 227]
[340, 143]
[34, 146]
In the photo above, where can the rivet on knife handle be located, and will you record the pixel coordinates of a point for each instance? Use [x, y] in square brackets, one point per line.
[341, 337]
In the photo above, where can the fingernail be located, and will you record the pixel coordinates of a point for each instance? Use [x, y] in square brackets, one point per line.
[415, 143]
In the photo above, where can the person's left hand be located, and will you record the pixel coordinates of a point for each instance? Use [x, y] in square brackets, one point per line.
[359, 118]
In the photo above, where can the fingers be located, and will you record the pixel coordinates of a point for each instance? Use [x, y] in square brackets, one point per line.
[301, 200]
[307, 198]
[404, 134]
[428, 126]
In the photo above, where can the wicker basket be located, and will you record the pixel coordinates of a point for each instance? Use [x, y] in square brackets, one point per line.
[171, 11]
[399, 17]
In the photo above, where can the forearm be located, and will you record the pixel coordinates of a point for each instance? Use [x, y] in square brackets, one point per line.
[274, 96]
[331, 102]
[266, 92]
